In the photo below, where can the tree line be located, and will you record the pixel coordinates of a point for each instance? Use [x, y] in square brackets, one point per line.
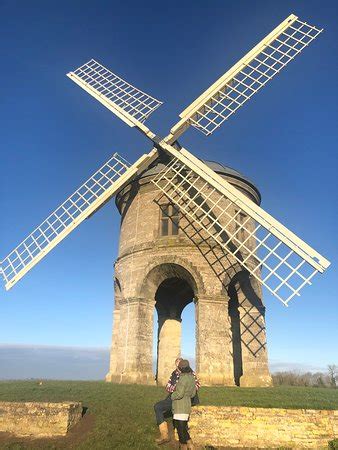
[317, 379]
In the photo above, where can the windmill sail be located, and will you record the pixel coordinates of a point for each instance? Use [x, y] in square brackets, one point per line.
[256, 241]
[230, 92]
[130, 104]
[85, 201]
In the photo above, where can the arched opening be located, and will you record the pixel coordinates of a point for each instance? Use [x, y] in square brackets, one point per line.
[172, 286]
[188, 336]
[171, 297]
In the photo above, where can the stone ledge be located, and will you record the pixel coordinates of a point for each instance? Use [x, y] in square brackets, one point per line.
[39, 419]
[262, 427]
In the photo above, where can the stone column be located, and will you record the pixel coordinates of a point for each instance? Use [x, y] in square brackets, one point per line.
[253, 345]
[213, 345]
[169, 348]
[246, 299]
[114, 347]
[135, 356]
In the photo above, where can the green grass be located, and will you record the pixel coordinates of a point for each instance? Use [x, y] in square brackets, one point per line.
[124, 413]
[333, 445]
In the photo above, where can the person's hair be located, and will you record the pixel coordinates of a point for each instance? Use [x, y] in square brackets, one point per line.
[186, 369]
[184, 366]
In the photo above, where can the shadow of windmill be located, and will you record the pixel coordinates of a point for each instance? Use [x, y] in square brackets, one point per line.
[246, 310]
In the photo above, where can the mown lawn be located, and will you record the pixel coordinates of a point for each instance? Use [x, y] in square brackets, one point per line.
[123, 414]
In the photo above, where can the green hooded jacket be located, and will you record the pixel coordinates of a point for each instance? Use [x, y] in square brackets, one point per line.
[182, 395]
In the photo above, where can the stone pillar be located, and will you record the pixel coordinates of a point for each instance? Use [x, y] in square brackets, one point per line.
[169, 348]
[213, 344]
[115, 345]
[253, 345]
[135, 335]
[246, 304]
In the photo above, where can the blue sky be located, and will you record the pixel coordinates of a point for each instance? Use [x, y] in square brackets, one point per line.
[54, 136]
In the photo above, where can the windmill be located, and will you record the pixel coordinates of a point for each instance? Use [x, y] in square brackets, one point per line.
[272, 254]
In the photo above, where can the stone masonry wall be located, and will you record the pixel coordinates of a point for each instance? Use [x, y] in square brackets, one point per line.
[230, 348]
[263, 427]
[39, 419]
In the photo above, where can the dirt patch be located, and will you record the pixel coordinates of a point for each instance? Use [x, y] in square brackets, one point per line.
[77, 434]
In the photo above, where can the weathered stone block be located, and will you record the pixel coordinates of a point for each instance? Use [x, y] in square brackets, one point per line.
[39, 419]
[262, 427]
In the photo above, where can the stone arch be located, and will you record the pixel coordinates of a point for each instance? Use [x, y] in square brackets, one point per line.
[169, 267]
[230, 269]
[170, 283]
[245, 290]
[117, 292]
[117, 285]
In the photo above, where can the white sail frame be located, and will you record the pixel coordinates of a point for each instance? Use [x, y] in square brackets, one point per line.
[84, 202]
[129, 103]
[134, 107]
[252, 72]
[185, 171]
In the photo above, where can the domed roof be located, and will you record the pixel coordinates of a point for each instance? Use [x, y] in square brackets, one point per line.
[226, 170]
[217, 167]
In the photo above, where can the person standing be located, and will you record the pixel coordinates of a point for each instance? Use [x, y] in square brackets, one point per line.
[181, 406]
[165, 406]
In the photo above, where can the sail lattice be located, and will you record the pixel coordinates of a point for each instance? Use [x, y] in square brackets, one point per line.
[250, 75]
[84, 202]
[250, 244]
[104, 84]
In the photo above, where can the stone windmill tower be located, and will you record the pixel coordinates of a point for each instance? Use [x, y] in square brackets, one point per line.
[190, 230]
[164, 263]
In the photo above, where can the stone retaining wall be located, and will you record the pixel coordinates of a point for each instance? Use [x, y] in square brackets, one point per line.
[39, 419]
[263, 427]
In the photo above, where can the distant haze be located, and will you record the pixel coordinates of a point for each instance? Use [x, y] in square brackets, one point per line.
[79, 363]
[62, 363]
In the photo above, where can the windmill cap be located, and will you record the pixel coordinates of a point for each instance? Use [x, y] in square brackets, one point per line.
[217, 167]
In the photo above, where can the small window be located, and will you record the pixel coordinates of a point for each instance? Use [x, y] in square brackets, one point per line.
[241, 225]
[169, 220]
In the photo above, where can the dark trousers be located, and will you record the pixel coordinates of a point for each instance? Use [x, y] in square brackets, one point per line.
[161, 408]
[182, 430]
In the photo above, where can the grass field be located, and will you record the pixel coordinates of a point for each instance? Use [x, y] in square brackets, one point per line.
[121, 416]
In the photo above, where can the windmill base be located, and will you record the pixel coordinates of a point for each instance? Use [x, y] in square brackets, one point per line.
[158, 272]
